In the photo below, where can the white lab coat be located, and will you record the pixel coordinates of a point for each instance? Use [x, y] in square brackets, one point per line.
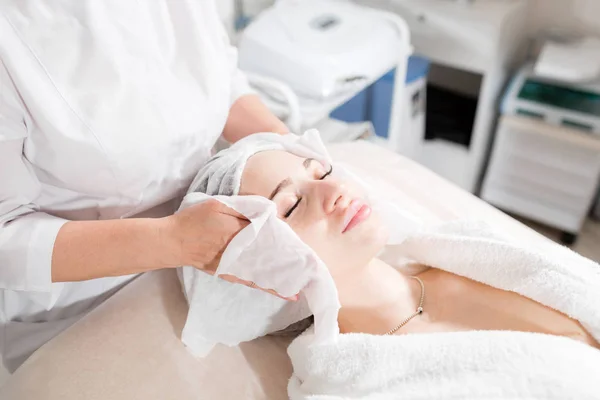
[107, 109]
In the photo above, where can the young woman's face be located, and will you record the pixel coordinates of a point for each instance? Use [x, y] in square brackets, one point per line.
[328, 214]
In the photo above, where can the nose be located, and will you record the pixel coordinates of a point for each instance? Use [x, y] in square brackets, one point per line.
[333, 195]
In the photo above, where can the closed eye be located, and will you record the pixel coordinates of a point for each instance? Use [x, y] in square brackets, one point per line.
[297, 203]
[291, 210]
[327, 173]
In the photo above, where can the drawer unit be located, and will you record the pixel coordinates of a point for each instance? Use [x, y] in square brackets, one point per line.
[543, 172]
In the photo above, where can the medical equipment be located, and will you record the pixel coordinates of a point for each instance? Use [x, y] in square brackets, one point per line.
[574, 61]
[545, 163]
[306, 58]
[268, 253]
[319, 48]
[559, 103]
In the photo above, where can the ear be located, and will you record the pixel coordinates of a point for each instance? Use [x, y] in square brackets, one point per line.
[235, 279]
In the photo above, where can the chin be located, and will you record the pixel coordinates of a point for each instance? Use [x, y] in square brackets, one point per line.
[354, 249]
[371, 235]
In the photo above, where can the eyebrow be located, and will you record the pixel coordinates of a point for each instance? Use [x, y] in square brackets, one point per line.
[287, 181]
[307, 162]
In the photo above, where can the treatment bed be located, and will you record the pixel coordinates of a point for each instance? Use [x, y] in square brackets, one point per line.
[129, 347]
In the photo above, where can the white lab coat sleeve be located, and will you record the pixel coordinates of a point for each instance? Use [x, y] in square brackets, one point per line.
[26, 235]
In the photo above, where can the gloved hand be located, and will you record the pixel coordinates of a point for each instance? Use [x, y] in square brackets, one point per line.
[198, 235]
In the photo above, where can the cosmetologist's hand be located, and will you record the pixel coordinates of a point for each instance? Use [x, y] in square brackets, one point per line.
[199, 234]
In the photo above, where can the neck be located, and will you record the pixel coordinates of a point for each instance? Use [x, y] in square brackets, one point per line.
[375, 299]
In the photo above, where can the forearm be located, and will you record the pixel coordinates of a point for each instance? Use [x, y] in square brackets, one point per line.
[249, 115]
[94, 249]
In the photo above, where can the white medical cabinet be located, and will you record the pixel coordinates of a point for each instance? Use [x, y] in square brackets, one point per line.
[471, 47]
[545, 163]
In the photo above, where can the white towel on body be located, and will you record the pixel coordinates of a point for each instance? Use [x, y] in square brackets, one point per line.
[469, 365]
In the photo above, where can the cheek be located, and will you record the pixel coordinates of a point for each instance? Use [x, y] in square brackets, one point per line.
[344, 252]
[311, 233]
[316, 235]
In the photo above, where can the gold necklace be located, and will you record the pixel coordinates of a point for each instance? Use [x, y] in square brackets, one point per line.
[419, 309]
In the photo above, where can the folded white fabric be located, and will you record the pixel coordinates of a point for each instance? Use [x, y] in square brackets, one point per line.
[222, 174]
[468, 365]
[267, 252]
[471, 365]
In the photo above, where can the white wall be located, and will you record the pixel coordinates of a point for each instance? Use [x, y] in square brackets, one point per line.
[582, 16]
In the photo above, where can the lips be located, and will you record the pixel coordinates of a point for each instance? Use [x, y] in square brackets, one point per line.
[356, 213]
